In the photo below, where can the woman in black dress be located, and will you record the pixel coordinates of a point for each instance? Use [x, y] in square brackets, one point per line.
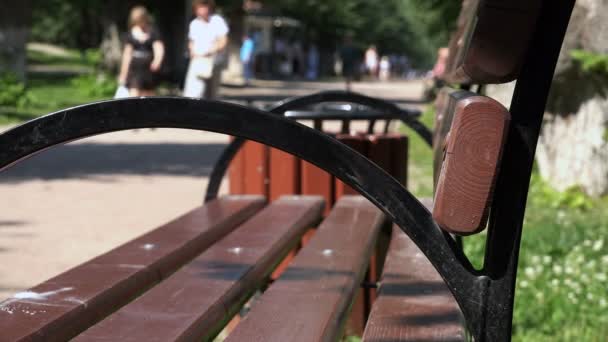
[143, 55]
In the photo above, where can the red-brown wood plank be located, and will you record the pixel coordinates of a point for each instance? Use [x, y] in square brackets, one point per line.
[317, 182]
[284, 174]
[413, 302]
[71, 302]
[473, 153]
[494, 41]
[310, 301]
[256, 168]
[359, 144]
[195, 302]
[236, 174]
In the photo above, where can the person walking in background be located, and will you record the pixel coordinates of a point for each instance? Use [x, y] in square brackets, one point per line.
[385, 68]
[247, 58]
[143, 55]
[350, 58]
[312, 65]
[371, 61]
[208, 38]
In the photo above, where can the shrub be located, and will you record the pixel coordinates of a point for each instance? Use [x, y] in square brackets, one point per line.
[13, 93]
[95, 85]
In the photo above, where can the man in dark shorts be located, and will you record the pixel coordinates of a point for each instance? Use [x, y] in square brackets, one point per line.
[350, 57]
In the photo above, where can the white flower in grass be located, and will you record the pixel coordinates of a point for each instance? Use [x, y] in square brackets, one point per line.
[535, 259]
[598, 245]
[557, 269]
[603, 303]
[587, 243]
[547, 259]
[591, 264]
[530, 272]
[523, 284]
[569, 270]
[554, 282]
[589, 296]
[572, 297]
[580, 259]
[601, 277]
[605, 259]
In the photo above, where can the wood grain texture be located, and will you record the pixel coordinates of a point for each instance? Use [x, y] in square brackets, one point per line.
[444, 115]
[472, 161]
[256, 169]
[310, 301]
[317, 182]
[195, 302]
[284, 174]
[67, 304]
[236, 174]
[413, 303]
[495, 41]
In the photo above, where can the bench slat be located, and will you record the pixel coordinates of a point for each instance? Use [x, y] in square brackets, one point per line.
[310, 301]
[413, 302]
[195, 302]
[66, 305]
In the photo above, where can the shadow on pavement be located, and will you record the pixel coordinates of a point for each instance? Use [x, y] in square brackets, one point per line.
[92, 160]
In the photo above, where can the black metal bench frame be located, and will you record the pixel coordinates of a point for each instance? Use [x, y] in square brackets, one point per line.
[485, 296]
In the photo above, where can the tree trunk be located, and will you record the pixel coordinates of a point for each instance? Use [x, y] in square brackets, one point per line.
[14, 29]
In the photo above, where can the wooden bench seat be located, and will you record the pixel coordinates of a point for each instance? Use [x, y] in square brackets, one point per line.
[311, 300]
[64, 306]
[413, 302]
[195, 302]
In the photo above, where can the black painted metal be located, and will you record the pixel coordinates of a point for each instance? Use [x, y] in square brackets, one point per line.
[510, 196]
[308, 144]
[407, 116]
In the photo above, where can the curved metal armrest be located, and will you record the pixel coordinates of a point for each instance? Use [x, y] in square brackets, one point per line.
[306, 143]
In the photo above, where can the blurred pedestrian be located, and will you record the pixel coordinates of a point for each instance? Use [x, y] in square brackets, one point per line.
[350, 58]
[208, 38]
[142, 56]
[385, 69]
[313, 59]
[371, 61]
[247, 58]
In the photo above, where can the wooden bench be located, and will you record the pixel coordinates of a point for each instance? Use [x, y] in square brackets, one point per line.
[185, 280]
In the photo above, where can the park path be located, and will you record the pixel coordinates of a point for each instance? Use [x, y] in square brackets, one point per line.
[69, 204]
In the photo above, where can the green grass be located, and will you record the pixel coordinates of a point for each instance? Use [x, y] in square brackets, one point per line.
[562, 290]
[48, 92]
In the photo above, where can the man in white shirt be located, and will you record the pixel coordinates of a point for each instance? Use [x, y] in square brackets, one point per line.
[208, 38]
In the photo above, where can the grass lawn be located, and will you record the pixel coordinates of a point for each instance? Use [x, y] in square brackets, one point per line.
[50, 91]
[562, 286]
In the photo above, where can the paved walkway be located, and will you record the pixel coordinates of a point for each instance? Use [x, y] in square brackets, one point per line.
[69, 204]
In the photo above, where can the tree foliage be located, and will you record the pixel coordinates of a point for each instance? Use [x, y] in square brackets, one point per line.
[413, 27]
